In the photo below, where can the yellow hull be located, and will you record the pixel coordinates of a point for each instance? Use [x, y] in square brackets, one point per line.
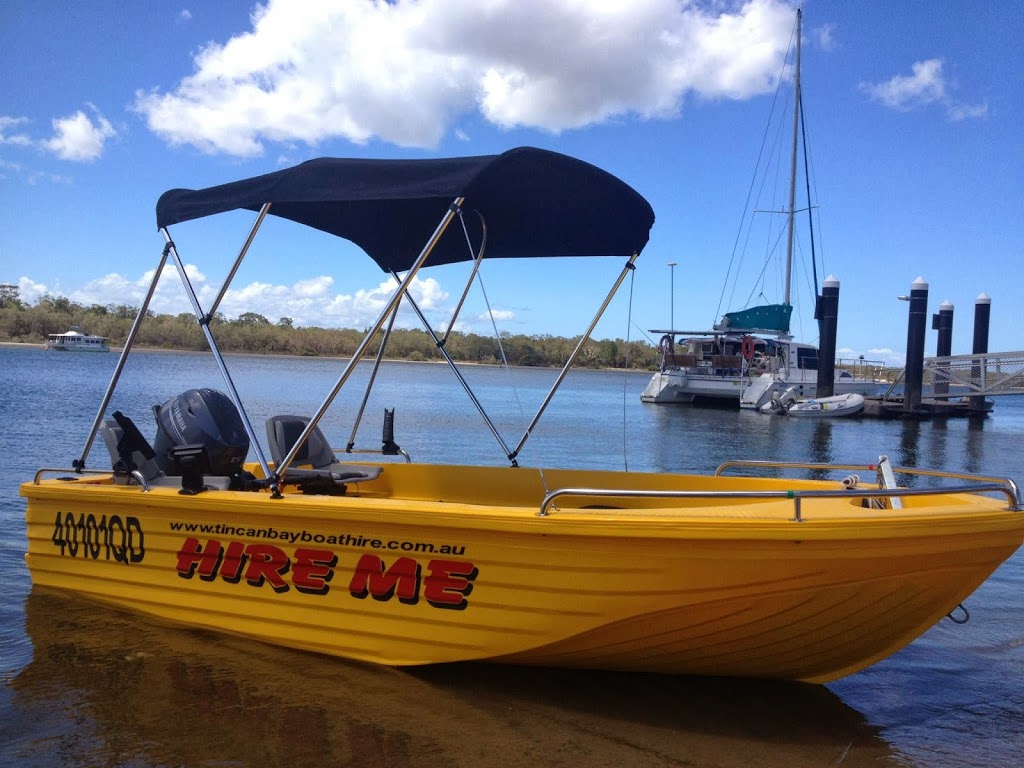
[430, 564]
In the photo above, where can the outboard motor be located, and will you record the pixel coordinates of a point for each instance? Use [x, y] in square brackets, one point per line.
[203, 417]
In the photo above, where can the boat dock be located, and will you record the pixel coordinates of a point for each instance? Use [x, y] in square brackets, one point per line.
[953, 386]
[947, 385]
[929, 408]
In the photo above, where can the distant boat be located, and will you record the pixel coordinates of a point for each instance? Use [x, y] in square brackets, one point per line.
[720, 365]
[789, 404]
[735, 368]
[75, 339]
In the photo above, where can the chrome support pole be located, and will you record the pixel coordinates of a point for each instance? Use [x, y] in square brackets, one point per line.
[205, 325]
[462, 380]
[79, 464]
[796, 511]
[238, 261]
[469, 283]
[575, 353]
[373, 377]
[391, 306]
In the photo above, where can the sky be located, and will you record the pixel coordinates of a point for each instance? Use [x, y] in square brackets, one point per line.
[913, 113]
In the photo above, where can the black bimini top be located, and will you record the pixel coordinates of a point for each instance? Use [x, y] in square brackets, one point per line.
[534, 203]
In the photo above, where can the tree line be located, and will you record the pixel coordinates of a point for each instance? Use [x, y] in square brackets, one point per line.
[254, 333]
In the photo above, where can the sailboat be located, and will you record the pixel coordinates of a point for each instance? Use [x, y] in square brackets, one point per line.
[751, 352]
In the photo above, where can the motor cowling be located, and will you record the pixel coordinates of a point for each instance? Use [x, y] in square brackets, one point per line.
[201, 416]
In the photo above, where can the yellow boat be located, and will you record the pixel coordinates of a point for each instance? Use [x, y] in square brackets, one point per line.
[403, 563]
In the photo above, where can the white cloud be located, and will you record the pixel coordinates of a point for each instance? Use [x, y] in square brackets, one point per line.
[905, 92]
[184, 16]
[78, 137]
[925, 86]
[30, 291]
[824, 37]
[311, 301]
[958, 112]
[19, 139]
[498, 315]
[404, 71]
[39, 177]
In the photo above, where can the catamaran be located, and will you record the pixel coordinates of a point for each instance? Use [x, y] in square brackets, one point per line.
[751, 351]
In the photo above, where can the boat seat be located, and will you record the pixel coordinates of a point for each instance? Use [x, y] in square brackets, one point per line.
[129, 450]
[315, 459]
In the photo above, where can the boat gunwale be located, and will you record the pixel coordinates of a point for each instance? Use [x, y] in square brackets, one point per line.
[762, 507]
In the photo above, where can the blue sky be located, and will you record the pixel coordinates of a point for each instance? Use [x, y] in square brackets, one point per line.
[914, 112]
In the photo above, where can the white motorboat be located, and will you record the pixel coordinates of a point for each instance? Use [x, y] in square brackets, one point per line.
[75, 339]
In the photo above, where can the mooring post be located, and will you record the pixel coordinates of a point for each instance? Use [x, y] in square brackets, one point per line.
[826, 312]
[982, 312]
[943, 323]
[915, 347]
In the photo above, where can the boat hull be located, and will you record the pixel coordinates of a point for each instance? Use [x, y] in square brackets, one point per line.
[431, 564]
[76, 347]
[682, 387]
[820, 408]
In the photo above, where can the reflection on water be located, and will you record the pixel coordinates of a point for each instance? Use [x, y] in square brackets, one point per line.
[910, 434]
[109, 688]
[821, 446]
[974, 450]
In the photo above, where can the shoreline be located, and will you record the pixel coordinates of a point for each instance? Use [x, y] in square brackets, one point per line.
[113, 350]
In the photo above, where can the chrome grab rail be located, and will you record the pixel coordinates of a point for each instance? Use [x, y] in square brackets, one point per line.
[758, 464]
[1007, 487]
[41, 472]
[378, 452]
[135, 474]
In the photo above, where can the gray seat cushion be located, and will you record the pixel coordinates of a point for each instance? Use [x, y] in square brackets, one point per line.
[316, 453]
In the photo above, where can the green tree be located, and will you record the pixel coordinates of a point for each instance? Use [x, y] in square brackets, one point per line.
[10, 297]
[252, 319]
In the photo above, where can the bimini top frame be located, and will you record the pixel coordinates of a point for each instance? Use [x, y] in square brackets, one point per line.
[529, 202]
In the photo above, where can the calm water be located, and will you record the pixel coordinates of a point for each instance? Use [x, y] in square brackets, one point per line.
[82, 685]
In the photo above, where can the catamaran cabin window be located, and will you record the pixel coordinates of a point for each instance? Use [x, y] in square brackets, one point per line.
[807, 358]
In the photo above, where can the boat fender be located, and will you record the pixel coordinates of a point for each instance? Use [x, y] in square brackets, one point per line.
[747, 349]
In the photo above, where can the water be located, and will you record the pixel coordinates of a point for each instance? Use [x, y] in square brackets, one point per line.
[82, 685]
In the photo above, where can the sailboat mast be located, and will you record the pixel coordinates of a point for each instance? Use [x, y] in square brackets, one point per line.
[792, 165]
